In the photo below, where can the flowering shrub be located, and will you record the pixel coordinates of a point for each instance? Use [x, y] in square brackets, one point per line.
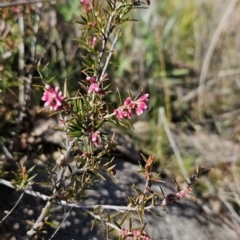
[83, 118]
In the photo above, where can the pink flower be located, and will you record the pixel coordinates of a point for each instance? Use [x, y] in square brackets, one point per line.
[95, 138]
[53, 98]
[91, 79]
[129, 106]
[182, 193]
[93, 41]
[141, 104]
[128, 102]
[123, 232]
[94, 88]
[87, 4]
[123, 113]
[136, 233]
[147, 237]
[85, 155]
[94, 24]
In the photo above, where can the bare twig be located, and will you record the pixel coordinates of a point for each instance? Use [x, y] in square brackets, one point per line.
[29, 192]
[74, 205]
[109, 56]
[38, 225]
[106, 34]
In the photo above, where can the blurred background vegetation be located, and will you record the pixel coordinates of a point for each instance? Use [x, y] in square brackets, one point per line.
[184, 53]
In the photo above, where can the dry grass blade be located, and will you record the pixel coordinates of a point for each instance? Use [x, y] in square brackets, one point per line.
[12, 208]
[64, 219]
[173, 144]
[16, 3]
[209, 54]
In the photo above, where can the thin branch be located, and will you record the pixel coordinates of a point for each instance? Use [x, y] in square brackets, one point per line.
[75, 205]
[38, 225]
[29, 192]
[13, 208]
[106, 34]
[109, 55]
[69, 148]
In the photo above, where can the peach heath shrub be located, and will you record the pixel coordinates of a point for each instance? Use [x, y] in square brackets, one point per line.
[83, 118]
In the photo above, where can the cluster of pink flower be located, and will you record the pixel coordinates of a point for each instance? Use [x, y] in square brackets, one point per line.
[129, 106]
[134, 235]
[54, 98]
[94, 86]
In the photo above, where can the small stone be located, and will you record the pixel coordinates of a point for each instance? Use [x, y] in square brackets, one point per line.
[30, 212]
[16, 226]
